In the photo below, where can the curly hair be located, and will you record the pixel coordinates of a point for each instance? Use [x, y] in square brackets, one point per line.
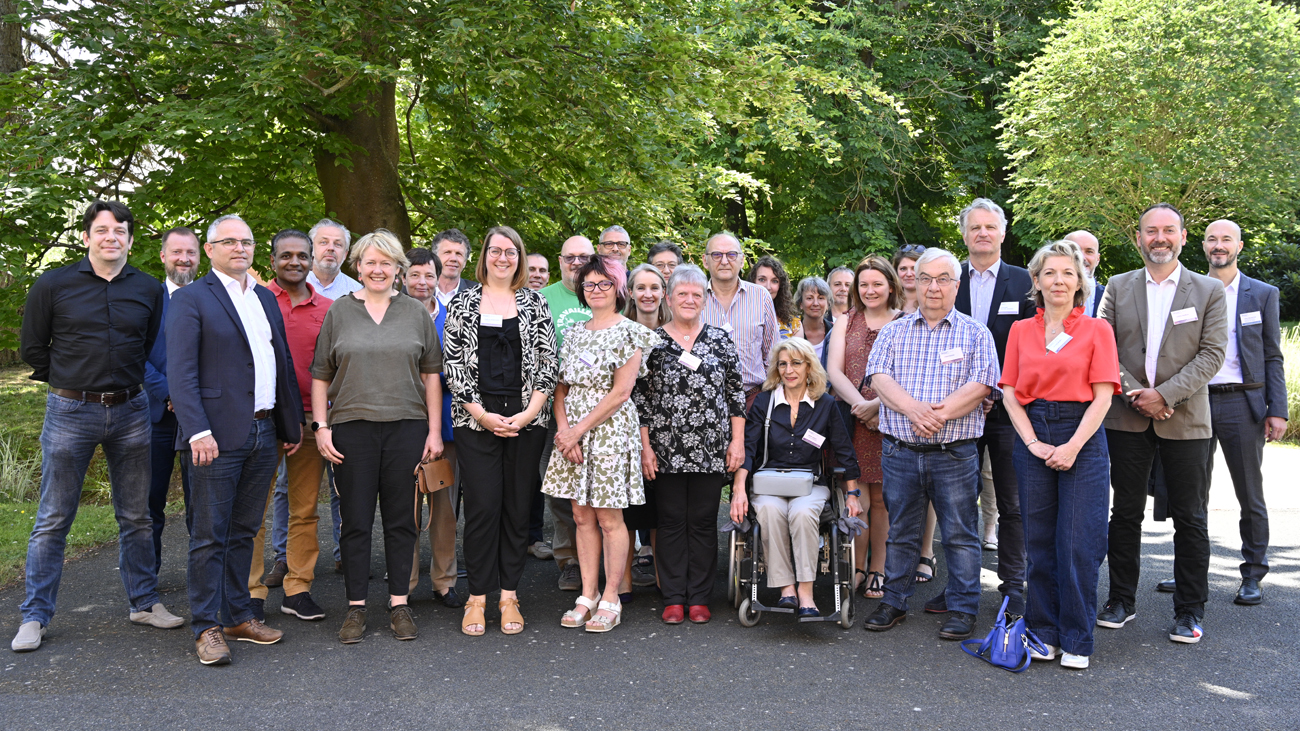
[784, 299]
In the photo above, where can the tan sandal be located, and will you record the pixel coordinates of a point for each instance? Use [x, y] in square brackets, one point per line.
[580, 613]
[474, 615]
[510, 615]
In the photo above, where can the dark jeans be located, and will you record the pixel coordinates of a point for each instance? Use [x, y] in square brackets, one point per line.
[1188, 483]
[1065, 528]
[71, 432]
[379, 459]
[999, 436]
[686, 553]
[1243, 450]
[498, 476]
[950, 481]
[227, 500]
[162, 457]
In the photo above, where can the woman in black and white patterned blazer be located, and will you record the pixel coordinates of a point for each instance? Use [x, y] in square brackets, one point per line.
[501, 366]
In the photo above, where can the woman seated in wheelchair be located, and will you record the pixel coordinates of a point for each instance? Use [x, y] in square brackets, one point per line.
[783, 470]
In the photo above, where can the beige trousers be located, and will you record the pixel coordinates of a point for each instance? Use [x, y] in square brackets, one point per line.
[442, 531]
[790, 523]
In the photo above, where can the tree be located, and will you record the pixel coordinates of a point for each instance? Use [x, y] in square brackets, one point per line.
[1138, 101]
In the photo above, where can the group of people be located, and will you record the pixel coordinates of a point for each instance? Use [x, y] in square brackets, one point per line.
[626, 400]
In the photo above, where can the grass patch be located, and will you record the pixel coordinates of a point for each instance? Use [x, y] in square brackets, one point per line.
[22, 415]
[94, 526]
[1291, 358]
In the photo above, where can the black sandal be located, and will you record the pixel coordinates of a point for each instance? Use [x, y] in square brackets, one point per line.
[925, 578]
[859, 584]
[876, 585]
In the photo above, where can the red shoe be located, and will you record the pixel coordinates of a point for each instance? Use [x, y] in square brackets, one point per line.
[700, 614]
[674, 614]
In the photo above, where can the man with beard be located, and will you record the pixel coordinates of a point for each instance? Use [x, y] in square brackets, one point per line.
[180, 258]
[330, 242]
[1171, 330]
[539, 271]
[841, 281]
[615, 243]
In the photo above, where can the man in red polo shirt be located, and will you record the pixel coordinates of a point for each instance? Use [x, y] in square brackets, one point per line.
[304, 311]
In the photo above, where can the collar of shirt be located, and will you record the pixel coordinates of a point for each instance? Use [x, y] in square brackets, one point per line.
[950, 318]
[779, 395]
[233, 285]
[313, 297]
[1232, 288]
[1178, 273]
[742, 286]
[990, 274]
[86, 266]
[171, 286]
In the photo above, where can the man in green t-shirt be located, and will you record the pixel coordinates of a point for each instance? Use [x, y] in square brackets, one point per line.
[562, 298]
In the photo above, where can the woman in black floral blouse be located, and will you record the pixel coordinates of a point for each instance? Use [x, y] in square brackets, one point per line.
[692, 407]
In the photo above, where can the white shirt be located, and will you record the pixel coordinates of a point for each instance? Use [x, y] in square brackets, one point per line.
[342, 284]
[258, 331]
[981, 291]
[1231, 370]
[444, 298]
[1090, 305]
[171, 287]
[1160, 297]
[779, 395]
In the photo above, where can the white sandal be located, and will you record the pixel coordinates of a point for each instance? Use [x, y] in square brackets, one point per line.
[605, 624]
[578, 617]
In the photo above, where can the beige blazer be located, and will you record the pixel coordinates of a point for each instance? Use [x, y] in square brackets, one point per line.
[1190, 353]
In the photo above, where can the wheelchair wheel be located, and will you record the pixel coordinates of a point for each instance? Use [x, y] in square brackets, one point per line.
[748, 618]
[733, 572]
[846, 613]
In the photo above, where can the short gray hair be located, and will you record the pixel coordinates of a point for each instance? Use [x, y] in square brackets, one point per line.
[330, 223]
[934, 253]
[1065, 248]
[808, 283]
[981, 204]
[212, 227]
[688, 274]
[615, 229]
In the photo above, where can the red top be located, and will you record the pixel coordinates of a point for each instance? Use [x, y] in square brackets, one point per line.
[302, 326]
[1068, 374]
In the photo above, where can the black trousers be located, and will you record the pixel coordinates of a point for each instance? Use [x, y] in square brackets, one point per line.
[379, 459]
[1242, 439]
[1188, 484]
[999, 437]
[687, 550]
[498, 477]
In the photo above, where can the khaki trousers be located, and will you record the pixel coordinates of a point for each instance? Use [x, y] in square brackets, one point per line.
[305, 469]
[790, 523]
[442, 531]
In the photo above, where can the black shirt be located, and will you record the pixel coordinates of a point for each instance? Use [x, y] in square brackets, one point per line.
[499, 357]
[789, 450]
[83, 332]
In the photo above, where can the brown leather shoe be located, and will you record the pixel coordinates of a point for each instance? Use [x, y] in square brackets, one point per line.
[254, 631]
[354, 626]
[402, 622]
[212, 648]
[278, 572]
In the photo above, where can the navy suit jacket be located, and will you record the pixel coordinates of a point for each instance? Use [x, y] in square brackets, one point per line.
[1096, 297]
[155, 368]
[210, 367]
[1013, 285]
[1259, 349]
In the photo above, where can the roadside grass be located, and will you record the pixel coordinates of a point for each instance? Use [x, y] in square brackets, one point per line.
[1291, 357]
[93, 526]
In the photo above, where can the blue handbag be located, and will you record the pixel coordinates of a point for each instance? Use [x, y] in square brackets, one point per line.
[1006, 647]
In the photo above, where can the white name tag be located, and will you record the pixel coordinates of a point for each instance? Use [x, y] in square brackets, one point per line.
[1059, 342]
[1187, 314]
[727, 326]
[587, 359]
[690, 360]
[1009, 308]
[951, 355]
[487, 320]
[1251, 318]
[814, 438]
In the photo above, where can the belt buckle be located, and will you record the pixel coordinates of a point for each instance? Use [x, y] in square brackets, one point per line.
[103, 399]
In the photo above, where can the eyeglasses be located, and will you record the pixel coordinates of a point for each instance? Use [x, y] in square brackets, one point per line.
[911, 249]
[925, 280]
[233, 243]
[604, 286]
[783, 364]
[497, 252]
[576, 259]
[620, 245]
[718, 256]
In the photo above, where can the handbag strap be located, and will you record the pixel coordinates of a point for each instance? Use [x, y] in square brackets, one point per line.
[767, 422]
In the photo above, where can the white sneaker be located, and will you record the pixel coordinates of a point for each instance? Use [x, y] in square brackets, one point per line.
[1051, 653]
[541, 550]
[1074, 662]
[157, 616]
[28, 637]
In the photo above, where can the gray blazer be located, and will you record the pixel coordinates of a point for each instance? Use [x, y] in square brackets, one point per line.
[1259, 349]
[1190, 354]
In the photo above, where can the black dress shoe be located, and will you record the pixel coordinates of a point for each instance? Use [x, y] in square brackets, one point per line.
[1115, 615]
[884, 618]
[1249, 594]
[1166, 586]
[960, 626]
[452, 598]
[937, 605]
[788, 602]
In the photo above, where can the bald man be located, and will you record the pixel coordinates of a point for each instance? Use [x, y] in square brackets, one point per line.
[1091, 249]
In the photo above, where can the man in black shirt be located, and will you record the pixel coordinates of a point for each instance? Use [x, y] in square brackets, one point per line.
[87, 330]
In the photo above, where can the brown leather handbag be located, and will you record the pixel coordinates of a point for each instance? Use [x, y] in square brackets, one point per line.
[434, 475]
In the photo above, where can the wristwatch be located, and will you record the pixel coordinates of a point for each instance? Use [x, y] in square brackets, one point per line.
[318, 425]
[854, 493]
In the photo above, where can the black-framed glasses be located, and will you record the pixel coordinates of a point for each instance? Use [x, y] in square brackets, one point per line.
[604, 286]
[620, 245]
[233, 243]
[576, 259]
[718, 256]
[911, 249]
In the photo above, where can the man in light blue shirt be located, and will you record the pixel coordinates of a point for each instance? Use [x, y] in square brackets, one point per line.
[330, 242]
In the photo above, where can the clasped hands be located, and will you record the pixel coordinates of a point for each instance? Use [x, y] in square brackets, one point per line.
[927, 419]
[1149, 403]
[1058, 458]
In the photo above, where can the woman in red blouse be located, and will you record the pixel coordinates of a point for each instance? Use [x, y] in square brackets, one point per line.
[1060, 371]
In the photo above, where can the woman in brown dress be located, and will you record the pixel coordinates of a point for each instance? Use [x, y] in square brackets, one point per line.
[874, 301]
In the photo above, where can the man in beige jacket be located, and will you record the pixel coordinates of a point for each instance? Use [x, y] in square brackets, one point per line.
[1171, 329]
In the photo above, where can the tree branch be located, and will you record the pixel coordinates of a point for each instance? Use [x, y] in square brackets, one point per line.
[40, 43]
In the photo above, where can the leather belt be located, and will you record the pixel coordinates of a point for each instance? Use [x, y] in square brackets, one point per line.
[918, 447]
[107, 398]
[1233, 387]
[263, 414]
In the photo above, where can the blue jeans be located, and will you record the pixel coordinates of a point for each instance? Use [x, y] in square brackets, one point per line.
[949, 480]
[228, 500]
[280, 513]
[162, 455]
[1065, 528]
[71, 432]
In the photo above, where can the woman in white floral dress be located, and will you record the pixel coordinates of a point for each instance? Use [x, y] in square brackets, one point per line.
[596, 463]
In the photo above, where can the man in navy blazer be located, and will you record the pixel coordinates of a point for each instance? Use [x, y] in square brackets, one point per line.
[235, 396]
[1091, 249]
[996, 294]
[180, 258]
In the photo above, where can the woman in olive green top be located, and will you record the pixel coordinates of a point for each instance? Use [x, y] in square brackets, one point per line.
[377, 364]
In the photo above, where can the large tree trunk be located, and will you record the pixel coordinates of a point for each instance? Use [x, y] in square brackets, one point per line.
[368, 194]
[11, 40]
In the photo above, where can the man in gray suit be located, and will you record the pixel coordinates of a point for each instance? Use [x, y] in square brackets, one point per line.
[1171, 331]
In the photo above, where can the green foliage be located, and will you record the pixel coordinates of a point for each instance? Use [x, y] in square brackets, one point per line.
[94, 525]
[1137, 101]
[1278, 263]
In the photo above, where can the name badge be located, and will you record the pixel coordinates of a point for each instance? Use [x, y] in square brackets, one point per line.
[587, 359]
[1059, 342]
[1187, 314]
[814, 438]
[1251, 318]
[487, 320]
[951, 355]
[727, 326]
[690, 360]
[1009, 308]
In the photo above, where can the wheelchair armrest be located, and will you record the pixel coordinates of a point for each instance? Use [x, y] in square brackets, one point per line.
[839, 473]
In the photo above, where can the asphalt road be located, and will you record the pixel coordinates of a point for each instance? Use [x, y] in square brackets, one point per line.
[98, 671]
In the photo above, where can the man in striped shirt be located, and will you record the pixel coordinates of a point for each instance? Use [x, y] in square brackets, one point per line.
[743, 309]
[932, 369]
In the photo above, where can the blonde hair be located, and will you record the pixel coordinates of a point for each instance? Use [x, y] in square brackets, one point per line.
[1070, 250]
[383, 241]
[816, 374]
[664, 314]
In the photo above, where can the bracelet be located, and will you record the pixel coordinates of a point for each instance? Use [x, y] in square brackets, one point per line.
[1030, 444]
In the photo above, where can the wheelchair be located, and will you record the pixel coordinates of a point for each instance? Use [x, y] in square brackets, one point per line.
[747, 568]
